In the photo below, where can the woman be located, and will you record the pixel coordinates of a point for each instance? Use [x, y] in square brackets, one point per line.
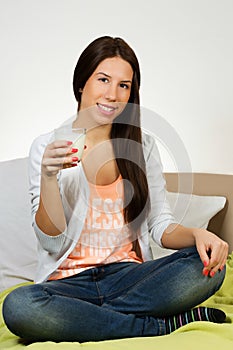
[96, 278]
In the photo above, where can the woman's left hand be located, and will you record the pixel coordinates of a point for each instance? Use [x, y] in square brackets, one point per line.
[213, 251]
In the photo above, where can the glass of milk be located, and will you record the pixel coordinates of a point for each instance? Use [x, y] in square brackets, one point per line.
[76, 135]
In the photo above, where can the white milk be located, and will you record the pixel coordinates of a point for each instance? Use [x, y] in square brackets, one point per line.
[79, 144]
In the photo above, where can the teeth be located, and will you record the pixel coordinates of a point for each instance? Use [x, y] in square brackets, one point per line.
[107, 109]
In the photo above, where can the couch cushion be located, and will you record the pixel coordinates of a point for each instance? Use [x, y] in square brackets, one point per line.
[18, 258]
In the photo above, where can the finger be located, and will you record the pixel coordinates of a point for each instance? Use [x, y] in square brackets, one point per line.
[203, 253]
[204, 256]
[51, 170]
[218, 267]
[69, 161]
[75, 150]
[59, 152]
[67, 166]
[219, 254]
[218, 259]
[59, 162]
[60, 144]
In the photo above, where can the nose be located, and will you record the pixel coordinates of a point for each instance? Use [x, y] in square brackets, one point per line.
[110, 93]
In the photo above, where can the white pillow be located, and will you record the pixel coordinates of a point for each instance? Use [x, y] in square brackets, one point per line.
[18, 246]
[190, 211]
[195, 210]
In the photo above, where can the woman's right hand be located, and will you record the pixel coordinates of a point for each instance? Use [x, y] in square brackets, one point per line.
[58, 155]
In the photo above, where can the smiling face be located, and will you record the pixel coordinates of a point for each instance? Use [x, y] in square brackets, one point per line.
[108, 89]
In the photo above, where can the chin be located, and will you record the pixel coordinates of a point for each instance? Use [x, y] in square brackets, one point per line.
[103, 119]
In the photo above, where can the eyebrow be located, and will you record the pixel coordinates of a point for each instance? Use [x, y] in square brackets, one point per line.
[108, 76]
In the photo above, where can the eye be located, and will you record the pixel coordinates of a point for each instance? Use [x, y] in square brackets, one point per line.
[104, 80]
[124, 86]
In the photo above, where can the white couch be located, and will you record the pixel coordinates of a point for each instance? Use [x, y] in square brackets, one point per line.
[18, 257]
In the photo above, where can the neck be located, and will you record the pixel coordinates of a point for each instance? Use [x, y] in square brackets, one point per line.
[95, 132]
[98, 134]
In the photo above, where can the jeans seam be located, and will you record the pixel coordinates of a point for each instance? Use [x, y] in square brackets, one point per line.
[100, 297]
[46, 289]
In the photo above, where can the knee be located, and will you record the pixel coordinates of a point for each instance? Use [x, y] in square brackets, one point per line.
[11, 309]
[193, 266]
[16, 309]
[207, 284]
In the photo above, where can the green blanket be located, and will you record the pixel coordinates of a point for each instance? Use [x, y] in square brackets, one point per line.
[196, 335]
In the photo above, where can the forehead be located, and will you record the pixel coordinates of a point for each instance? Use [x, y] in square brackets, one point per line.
[115, 67]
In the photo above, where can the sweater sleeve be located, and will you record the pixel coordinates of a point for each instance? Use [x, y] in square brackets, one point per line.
[160, 216]
[35, 158]
[52, 244]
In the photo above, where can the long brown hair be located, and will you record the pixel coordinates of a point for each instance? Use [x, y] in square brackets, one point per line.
[126, 129]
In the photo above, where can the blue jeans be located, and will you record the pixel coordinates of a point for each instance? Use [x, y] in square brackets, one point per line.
[111, 301]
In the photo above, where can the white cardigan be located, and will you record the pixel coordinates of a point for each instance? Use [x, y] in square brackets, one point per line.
[74, 191]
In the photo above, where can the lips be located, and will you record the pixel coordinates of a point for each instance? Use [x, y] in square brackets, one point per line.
[106, 108]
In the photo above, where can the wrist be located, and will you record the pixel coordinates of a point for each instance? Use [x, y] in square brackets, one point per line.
[196, 232]
[48, 176]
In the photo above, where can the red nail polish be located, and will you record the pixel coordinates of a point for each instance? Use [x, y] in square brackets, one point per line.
[205, 272]
[69, 143]
[74, 159]
[205, 263]
[74, 150]
[212, 273]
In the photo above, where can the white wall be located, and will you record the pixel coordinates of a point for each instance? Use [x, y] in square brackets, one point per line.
[185, 48]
